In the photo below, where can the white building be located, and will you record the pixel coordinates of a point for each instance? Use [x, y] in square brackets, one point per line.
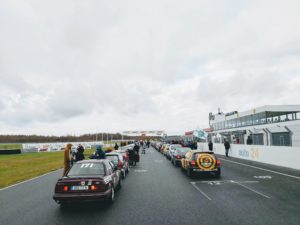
[271, 125]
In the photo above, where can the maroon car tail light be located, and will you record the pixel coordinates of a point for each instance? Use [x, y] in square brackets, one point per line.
[178, 157]
[193, 163]
[218, 163]
[66, 188]
[93, 188]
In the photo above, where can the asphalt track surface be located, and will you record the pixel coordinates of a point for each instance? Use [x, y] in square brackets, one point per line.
[155, 192]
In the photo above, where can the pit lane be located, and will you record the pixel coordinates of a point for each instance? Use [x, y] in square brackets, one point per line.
[162, 194]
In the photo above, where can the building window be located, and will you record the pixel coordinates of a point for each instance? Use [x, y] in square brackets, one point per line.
[258, 139]
[281, 139]
[248, 120]
[238, 122]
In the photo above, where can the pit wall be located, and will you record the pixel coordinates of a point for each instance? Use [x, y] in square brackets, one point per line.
[275, 155]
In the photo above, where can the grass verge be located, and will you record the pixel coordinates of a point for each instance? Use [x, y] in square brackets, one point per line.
[20, 167]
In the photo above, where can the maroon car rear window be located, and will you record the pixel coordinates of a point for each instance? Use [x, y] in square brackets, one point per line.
[87, 169]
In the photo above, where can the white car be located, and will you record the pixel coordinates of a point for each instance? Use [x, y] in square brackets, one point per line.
[172, 149]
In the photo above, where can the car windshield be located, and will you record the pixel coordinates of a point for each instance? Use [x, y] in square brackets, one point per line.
[87, 169]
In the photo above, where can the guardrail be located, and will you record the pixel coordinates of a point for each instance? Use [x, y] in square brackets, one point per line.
[10, 152]
[275, 155]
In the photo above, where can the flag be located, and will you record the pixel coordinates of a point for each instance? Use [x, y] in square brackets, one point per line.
[200, 134]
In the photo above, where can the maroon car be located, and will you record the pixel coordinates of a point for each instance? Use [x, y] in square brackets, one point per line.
[88, 180]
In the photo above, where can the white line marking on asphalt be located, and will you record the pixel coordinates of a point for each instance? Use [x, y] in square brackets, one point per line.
[140, 171]
[257, 192]
[226, 182]
[194, 185]
[2, 189]
[262, 177]
[259, 168]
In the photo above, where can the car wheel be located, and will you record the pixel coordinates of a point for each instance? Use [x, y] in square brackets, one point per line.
[119, 184]
[189, 172]
[218, 173]
[111, 198]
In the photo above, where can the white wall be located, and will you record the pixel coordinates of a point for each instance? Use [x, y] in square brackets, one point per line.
[276, 155]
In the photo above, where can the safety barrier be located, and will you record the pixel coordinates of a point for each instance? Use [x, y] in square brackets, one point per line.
[11, 151]
[275, 155]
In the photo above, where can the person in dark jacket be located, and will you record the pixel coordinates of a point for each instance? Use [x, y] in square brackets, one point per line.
[136, 150]
[79, 154]
[100, 154]
[227, 147]
[116, 146]
[210, 146]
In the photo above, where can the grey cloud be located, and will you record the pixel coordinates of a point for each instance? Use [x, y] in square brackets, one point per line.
[143, 63]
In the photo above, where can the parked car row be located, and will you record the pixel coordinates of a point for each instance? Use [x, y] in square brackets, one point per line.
[193, 162]
[93, 179]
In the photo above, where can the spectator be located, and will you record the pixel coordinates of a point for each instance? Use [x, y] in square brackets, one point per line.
[100, 154]
[116, 146]
[67, 159]
[210, 146]
[79, 154]
[227, 147]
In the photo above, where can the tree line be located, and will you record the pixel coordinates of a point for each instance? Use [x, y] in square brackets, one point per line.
[67, 138]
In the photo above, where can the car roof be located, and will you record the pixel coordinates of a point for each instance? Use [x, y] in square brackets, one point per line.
[91, 161]
[113, 153]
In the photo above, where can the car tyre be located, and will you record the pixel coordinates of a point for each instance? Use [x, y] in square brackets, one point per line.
[119, 184]
[218, 173]
[189, 172]
[111, 198]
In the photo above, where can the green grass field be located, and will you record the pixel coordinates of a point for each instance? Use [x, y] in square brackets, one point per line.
[20, 167]
[10, 146]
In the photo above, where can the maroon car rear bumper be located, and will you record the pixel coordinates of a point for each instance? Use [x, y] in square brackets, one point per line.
[76, 197]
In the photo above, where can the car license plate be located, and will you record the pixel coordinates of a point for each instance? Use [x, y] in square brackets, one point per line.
[80, 188]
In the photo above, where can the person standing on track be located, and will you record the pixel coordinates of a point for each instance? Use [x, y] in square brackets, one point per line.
[148, 144]
[100, 154]
[210, 146]
[80, 153]
[67, 159]
[227, 147]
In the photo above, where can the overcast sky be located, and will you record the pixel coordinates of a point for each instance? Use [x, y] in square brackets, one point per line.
[75, 67]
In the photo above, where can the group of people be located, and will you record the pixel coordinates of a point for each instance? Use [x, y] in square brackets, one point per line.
[226, 145]
[72, 156]
[77, 155]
